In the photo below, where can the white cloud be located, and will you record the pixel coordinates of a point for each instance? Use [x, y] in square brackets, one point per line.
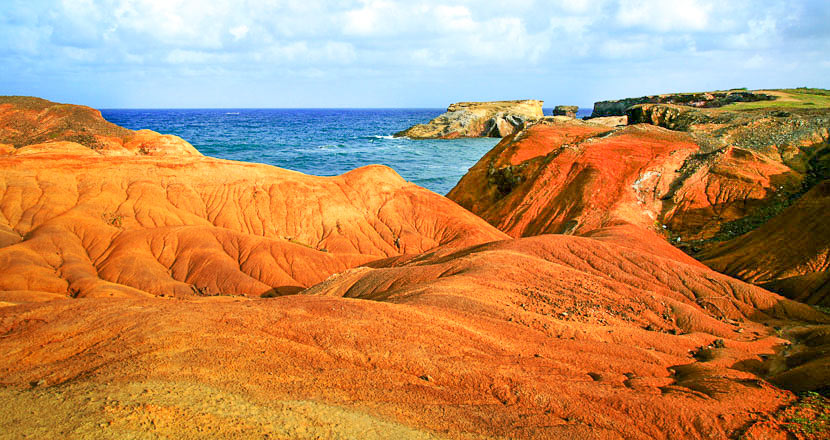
[374, 18]
[755, 62]
[674, 15]
[239, 32]
[635, 47]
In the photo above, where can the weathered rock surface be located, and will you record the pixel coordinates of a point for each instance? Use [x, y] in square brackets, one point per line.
[574, 177]
[478, 119]
[697, 176]
[610, 121]
[542, 337]
[701, 100]
[26, 121]
[76, 223]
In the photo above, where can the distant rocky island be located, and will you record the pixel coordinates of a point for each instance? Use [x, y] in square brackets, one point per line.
[478, 119]
[662, 272]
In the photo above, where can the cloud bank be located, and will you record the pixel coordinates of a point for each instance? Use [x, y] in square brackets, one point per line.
[285, 53]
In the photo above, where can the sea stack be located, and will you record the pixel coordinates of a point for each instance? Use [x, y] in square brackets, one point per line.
[565, 110]
[478, 119]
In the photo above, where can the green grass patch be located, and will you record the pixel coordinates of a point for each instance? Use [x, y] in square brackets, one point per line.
[801, 97]
[810, 417]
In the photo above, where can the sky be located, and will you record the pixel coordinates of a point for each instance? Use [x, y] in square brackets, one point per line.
[389, 53]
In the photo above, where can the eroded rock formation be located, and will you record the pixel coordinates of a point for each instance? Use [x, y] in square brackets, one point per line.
[478, 119]
[173, 226]
[543, 337]
[697, 176]
[789, 253]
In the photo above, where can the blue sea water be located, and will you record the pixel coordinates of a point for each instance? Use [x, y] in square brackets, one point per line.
[322, 142]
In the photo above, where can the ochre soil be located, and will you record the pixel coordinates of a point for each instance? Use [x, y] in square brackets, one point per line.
[544, 337]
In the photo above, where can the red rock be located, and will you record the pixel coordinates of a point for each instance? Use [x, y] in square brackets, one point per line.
[574, 177]
[543, 337]
[789, 254]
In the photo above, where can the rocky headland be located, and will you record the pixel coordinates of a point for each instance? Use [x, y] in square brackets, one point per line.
[154, 291]
[478, 119]
[700, 100]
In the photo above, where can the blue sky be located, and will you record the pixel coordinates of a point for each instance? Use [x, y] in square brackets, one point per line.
[381, 53]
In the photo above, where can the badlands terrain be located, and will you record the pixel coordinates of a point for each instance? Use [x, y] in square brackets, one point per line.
[660, 274]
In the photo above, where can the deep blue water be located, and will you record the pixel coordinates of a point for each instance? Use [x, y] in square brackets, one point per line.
[321, 142]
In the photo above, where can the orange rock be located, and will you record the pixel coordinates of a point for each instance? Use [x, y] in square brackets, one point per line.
[543, 337]
[703, 177]
[27, 121]
[81, 224]
[398, 314]
[574, 177]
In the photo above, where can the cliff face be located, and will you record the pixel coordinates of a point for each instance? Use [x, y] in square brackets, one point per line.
[574, 177]
[696, 176]
[27, 121]
[700, 100]
[477, 119]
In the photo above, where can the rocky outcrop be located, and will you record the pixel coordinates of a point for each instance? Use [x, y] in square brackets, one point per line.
[565, 110]
[574, 177]
[27, 121]
[697, 176]
[477, 119]
[700, 100]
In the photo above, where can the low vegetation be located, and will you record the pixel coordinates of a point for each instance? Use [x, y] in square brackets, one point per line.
[801, 97]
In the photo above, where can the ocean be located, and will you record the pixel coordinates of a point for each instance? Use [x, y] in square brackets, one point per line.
[322, 142]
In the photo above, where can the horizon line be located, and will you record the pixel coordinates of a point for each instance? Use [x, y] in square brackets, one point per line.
[286, 108]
